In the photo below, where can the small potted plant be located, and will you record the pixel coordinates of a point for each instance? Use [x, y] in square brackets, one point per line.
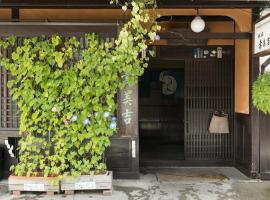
[261, 93]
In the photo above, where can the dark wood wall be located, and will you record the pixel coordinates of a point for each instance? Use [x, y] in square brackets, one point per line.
[119, 157]
[243, 143]
[265, 146]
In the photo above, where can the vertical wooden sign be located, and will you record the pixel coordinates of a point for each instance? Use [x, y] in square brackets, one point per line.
[127, 112]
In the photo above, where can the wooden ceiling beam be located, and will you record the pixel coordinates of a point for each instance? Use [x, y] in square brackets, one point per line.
[28, 29]
[106, 4]
[204, 35]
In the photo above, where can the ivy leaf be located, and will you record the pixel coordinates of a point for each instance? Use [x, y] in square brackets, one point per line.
[81, 151]
[152, 35]
[59, 58]
[56, 40]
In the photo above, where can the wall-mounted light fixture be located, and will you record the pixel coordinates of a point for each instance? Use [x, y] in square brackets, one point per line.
[198, 24]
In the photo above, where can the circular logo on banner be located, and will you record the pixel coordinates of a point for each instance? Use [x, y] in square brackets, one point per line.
[169, 85]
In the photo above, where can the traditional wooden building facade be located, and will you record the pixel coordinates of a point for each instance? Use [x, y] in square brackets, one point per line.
[191, 76]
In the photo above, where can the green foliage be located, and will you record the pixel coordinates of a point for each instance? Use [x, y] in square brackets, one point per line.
[261, 93]
[139, 2]
[64, 92]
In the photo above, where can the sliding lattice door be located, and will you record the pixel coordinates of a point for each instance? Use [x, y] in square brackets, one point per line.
[209, 86]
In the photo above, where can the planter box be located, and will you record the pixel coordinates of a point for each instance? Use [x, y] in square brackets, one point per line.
[102, 182]
[18, 184]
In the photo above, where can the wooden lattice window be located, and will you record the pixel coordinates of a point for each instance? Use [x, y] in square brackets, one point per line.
[9, 112]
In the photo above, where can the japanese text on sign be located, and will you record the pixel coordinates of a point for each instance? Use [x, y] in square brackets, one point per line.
[262, 36]
[127, 107]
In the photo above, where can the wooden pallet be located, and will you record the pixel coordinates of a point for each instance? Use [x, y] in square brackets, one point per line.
[101, 182]
[19, 184]
[104, 192]
[18, 193]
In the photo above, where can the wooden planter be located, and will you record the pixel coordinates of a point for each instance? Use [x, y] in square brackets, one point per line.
[102, 182]
[18, 184]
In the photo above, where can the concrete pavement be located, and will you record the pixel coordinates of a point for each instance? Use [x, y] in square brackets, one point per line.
[209, 183]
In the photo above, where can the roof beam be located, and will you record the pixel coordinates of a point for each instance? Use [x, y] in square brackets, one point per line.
[203, 35]
[32, 29]
[106, 4]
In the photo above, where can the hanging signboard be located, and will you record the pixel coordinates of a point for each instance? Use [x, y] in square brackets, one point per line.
[262, 36]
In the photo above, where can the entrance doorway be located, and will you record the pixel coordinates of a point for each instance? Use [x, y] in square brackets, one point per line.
[161, 113]
[178, 95]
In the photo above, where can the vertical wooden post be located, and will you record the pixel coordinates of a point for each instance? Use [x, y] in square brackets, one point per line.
[128, 124]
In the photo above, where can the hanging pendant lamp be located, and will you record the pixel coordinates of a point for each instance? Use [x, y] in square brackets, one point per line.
[198, 24]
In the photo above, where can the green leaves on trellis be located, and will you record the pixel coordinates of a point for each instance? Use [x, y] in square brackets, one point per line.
[261, 93]
[63, 92]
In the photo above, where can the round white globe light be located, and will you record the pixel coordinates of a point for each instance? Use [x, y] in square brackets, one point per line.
[197, 25]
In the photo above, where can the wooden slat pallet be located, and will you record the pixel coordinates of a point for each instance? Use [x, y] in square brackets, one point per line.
[18, 193]
[104, 192]
[101, 182]
[20, 184]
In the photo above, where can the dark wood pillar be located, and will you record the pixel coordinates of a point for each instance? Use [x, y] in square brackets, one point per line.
[260, 131]
[255, 123]
[265, 146]
[123, 156]
[247, 127]
[255, 120]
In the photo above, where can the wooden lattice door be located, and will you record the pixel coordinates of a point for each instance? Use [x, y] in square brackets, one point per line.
[209, 86]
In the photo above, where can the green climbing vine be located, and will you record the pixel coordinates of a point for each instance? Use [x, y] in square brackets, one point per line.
[66, 95]
[261, 93]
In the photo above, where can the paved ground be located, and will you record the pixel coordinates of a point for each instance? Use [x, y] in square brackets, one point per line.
[173, 184]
